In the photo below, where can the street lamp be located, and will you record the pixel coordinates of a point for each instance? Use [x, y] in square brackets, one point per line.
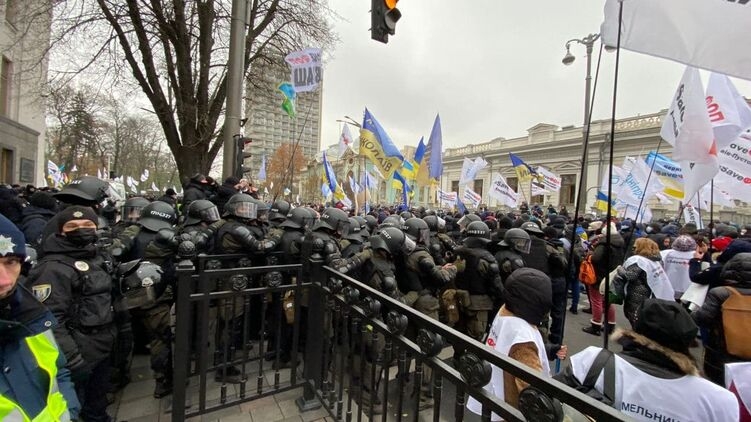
[568, 59]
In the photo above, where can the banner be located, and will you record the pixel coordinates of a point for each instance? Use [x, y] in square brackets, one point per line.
[738, 381]
[691, 215]
[550, 180]
[502, 192]
[448, 198]
[699, 33]
[471, 197]
[345, 140]
[728, 114]
[538, 190]
[669, 172]
[735, 168]
[306, 68]
[466, 169]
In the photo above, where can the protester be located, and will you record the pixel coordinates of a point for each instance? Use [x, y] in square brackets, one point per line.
[676, 261]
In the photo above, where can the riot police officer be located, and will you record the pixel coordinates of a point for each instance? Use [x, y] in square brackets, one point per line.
[278, 212]
[73, 282]
[245, 229]
[130, 214]
[479, 275]
[154, 242]
[515, 243]
[324, 237]
[379, 271]
[353, 241]
[201, 225]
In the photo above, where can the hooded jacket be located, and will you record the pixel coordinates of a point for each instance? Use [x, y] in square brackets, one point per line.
[33, 221]
[604, 260]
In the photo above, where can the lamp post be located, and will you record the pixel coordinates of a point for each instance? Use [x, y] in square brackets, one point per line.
[588, 42]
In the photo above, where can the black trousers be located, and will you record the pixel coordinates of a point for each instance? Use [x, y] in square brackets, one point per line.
[558, 310]
[92, 393]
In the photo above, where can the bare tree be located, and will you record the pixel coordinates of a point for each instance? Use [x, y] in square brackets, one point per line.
[281, 167]
[176, 52]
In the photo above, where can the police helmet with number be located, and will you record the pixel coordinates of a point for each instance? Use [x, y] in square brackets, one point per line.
[297, 218]
[531, 227]
[158, 215]
[478, 229]
[202, 210]
[390, 239]
[333, 219]
[83, 191]
[372, 222]
[417, 230]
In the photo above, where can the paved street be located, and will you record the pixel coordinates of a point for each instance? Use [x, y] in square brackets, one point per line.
[135, 403]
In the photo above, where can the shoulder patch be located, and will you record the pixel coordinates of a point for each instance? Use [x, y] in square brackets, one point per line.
[42, 291]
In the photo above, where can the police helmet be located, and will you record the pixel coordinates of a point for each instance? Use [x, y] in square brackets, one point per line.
[262, 209]
[517, 239]
[531, 227]
[353, 231]
[364, 230]
[131, 210]
[202, 210]
[241, 205]
[417, 230]
[432, 222]
[146, 274]
[158, 215]
[83, 191]
[392, 221]
[333, 219]
[372, 222]
[297, 218]
[395, 241]
[406, 215]
[478, 229]
[466, 219]
[279, 210]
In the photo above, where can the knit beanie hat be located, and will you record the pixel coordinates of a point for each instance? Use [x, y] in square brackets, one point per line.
[43, 200]
[12, 241]
[75, 212]
[529, 294]
[684, 243]
[667, 323]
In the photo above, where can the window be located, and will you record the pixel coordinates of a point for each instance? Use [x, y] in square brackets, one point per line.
[6, 166]
[454, 186]
[6, 76]
[478, 186]
[568, 189]
[513, 183]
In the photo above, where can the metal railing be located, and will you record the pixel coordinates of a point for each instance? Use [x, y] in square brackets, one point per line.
[365, 353]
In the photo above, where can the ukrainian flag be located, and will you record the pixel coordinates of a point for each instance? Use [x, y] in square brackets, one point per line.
[523, 171]
[601, 202]
[376, 144]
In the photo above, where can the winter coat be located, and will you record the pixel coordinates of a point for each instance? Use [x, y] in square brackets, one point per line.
[25, 383]
[193, 192]
[604, 260]
[631, 285]
[223, 194]
[737, 274]
[32, 223]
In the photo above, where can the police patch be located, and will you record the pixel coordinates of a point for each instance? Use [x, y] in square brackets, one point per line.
[42, 291]
[78, 214]
[81, 266]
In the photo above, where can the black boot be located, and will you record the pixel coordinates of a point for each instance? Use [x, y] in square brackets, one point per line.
[163, 388]
[611, 328]
[594, 329]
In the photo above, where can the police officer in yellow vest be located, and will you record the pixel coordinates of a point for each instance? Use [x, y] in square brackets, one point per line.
[34, 383]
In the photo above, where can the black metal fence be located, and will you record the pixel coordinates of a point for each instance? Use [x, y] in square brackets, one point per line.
[363, 354]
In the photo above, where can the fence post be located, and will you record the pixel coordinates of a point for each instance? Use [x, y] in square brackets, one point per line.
[185, 270]
[313, 361]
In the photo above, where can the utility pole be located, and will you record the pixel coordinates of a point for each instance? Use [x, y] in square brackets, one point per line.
[235, 73]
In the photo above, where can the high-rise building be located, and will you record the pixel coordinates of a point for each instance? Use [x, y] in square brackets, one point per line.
[269, 126]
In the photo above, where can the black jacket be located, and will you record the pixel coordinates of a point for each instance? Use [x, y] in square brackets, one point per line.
[74, 284]
[630, 284]
[603, 266]
[33, 221]
[192, 192]
[222, 195]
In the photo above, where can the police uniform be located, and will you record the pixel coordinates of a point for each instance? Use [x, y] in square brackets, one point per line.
[72, 282]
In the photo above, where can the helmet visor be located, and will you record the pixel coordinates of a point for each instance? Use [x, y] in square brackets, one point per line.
[247, 210]
[463, 222]
[409, 245]
[210, 215]
[342, 228]
[131, 214]
[521, 245]
[441, 224]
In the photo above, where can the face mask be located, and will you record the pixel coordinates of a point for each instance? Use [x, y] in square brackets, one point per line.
[82, 237]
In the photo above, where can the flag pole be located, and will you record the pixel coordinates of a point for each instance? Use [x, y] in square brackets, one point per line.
[711, 215]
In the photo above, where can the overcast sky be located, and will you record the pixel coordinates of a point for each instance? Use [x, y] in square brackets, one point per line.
[490, 67]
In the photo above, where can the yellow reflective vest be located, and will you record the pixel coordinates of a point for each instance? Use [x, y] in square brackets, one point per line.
[45, 351]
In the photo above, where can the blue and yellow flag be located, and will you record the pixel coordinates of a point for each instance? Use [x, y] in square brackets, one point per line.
[523, 171]
[601, 202]
[378, 146]
[330, 179]
[404, 187]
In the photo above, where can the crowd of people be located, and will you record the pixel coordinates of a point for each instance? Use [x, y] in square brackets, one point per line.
[503, 279]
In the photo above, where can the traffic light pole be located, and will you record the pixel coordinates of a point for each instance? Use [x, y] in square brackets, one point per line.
[233, 110]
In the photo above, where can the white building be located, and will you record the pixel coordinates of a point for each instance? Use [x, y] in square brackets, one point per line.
[24, 39]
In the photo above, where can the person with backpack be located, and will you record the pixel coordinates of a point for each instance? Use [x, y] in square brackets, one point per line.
[654, 377]
[605, 258]
[726, 315]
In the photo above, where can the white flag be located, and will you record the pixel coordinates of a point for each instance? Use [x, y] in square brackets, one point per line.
[550, 181]
[52, 168]
[724, 112]
[538, 190]
[345, 140]
[446, 198]
[145, 175]
[306, 67]
[471, 197]
[688, 129]
[99, 173]
[153, 187]
[465, 178]
[502, 192]
[691, 215]
[75, 168]
[700, 33]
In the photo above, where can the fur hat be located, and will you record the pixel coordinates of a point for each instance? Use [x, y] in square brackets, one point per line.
[666, 322]
[684, 243]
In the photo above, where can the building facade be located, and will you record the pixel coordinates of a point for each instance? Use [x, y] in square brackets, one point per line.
[269, 126]
[24, 39]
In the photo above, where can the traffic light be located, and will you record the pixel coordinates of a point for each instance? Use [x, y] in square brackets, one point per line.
[242, 143]
[383, 18]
